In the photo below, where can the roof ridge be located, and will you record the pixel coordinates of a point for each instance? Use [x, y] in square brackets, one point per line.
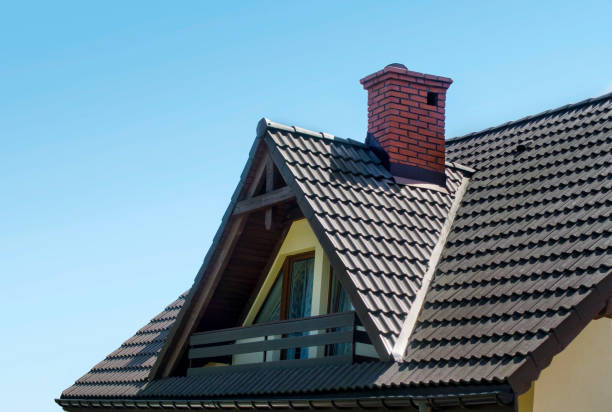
[525, 119]
[265, 124]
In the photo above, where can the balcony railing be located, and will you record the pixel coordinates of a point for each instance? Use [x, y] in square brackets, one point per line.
[320, 339]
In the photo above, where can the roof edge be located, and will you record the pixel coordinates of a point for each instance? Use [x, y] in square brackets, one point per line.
[526, 119]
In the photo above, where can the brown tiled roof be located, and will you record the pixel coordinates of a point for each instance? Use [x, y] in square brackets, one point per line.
[527, 264]
[124, 372]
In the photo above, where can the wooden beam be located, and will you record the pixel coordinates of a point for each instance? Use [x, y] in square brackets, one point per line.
[264, 201]
[269, 188]
[268, 219]
[258, 175]
[269, 175]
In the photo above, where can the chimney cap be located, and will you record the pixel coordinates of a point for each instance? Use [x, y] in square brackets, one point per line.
[401, 70]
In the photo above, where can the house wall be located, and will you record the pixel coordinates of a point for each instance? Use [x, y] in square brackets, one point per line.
[579, 377]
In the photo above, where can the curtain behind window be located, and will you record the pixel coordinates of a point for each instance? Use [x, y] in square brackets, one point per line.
[300, 298]
[270, 310]
[339, 299]
[339, 302]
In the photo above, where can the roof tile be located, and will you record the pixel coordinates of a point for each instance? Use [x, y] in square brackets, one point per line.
[530, 242]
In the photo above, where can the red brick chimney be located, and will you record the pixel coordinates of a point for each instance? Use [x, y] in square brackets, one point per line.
[406, 121]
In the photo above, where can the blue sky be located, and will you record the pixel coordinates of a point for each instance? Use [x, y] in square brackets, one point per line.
[124, 127]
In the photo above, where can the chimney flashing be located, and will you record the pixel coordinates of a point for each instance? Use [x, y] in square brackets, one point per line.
[402, 171]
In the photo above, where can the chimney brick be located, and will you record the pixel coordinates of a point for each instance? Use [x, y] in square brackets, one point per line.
[406, 118]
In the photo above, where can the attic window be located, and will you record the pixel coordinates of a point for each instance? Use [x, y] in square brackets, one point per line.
[432, 98]
[291, 295]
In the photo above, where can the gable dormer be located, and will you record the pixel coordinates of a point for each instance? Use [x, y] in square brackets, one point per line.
[266, 254]
[298, 312]
[379, 237]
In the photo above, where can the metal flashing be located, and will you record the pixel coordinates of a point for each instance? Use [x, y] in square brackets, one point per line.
[401, 344]
[402, 171]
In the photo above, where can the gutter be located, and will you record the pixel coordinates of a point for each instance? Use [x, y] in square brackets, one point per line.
[503, 399]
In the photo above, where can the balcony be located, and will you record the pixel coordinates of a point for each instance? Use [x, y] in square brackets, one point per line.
[325, 339]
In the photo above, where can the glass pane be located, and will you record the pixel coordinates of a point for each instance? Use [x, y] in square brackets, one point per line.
[339, 299]
[339, 303]
[270, 310]
[300, 298]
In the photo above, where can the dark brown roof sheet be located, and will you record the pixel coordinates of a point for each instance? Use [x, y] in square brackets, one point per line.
[253, 383]
[525, 268]
[124, 372]
[530, 245]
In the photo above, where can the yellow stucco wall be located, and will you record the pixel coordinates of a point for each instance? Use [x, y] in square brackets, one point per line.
[300, 239]
[579, 378]
[525, 401]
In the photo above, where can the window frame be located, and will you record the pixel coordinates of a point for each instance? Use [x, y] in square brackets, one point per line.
[333, 301]
[330, 298]
[286, 272]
